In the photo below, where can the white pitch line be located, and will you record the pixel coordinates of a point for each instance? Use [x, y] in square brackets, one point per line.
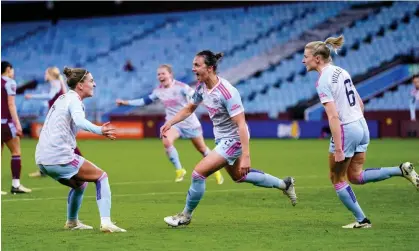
[115, 183]
[158, 182]
[129, 195]
[171, 193]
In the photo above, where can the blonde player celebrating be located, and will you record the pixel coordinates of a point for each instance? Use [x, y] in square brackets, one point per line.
[175, 95]
[11, 129]
[53, 76]
[55, 150]
[231, 136]
[350, 135]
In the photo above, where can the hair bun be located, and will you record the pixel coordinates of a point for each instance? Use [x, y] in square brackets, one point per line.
[219, 55]
[67, 72]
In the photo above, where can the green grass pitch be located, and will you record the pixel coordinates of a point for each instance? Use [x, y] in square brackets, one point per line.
[230, 216]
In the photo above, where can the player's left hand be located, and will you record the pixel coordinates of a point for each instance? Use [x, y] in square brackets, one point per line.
[166, 127]
[108, 131]
[244, 166]
[120, 102]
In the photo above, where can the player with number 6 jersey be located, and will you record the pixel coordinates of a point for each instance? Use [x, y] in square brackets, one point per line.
[350, 134]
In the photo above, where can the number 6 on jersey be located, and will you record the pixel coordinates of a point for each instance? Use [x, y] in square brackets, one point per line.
[350, 94]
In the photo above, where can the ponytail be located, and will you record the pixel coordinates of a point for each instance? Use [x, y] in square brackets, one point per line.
[324, 49]
[335, 43]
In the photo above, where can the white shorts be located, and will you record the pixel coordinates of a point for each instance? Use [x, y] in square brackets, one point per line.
[65, 171]
[189, 133]
[355, 138]
[229, 149]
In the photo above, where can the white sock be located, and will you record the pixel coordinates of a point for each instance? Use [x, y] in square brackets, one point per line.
[15, 183]
[105, 220]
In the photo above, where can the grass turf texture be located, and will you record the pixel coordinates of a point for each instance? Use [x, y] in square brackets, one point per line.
[230, 216]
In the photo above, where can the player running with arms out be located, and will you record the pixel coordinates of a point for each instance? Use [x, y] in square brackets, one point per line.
[175, 95]
[53, 76]
[55, 150]
[11, 130]
[350, 134]
[225, 109]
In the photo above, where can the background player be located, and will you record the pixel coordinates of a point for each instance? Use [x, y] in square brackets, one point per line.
[53, 76]
[226, 111]
[350, 134]
[11, 128]
[414, 97]
[55, 150]
[175, 95]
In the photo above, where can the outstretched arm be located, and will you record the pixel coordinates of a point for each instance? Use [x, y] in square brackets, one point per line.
[56, 88]
[79, 118]
[146, 100]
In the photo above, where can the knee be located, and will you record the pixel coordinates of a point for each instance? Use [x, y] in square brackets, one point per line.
[101, 175]
[81, 185]
[15, 151]
[355, 178]
[196, 175]
[336, 178]
[202, 149]
[167, 143]
[238, 178]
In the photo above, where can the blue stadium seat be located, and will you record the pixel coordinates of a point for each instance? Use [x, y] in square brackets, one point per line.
[240, 33]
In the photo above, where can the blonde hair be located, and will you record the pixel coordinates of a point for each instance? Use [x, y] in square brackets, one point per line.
[168, 67]
[324, 49]
[55, 73]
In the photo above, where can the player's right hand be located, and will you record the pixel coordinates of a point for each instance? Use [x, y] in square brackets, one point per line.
[166, 127]
[120, 102]
[108, 131]
[244, 167]
[19, 130]
[339, 155]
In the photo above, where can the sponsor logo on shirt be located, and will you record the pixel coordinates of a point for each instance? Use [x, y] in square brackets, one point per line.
[170, 102]
[322, 95]
[212, 111]
[235, 107]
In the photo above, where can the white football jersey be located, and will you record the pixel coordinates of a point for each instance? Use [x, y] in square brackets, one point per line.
[58, 136]
[175, 99]
[335, 84]
[222, 102]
